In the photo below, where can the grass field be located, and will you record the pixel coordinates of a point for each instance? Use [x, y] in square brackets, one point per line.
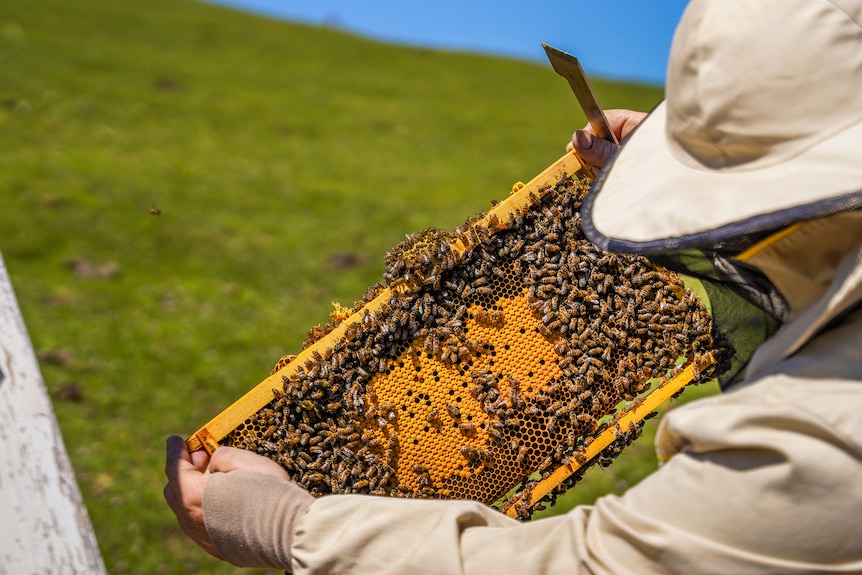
[185, 189]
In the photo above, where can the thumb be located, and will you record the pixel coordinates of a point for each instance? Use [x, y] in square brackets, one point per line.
[226, 459]
[591, 148]
[179, 461]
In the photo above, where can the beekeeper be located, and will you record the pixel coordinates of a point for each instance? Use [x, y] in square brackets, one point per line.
[749, 175]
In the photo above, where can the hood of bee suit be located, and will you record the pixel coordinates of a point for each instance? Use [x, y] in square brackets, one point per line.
[761, 129]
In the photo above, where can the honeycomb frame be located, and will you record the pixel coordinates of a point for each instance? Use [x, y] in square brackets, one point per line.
[501, 358]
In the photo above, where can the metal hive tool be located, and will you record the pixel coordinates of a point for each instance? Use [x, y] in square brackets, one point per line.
[495, 362]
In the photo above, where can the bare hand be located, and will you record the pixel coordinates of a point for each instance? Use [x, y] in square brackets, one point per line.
[595, 150]
[187, 478]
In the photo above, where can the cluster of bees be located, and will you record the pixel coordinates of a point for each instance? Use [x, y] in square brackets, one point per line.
[503, 348]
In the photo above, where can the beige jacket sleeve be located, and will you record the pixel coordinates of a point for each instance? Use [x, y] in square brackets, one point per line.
[764, 479]
[250, 517]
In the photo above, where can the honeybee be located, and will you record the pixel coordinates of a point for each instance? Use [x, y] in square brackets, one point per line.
[486, 457]
[361, 484]
[469, 453]
[467, 428]
[523, 450]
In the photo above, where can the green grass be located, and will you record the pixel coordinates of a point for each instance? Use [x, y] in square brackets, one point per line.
[285, 161]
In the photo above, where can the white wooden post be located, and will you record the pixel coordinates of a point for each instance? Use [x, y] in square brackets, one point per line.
[44, 526]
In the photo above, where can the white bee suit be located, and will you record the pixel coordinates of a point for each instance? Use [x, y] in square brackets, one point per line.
[758, 149]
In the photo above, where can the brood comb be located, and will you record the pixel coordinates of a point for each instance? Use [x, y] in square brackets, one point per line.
[494, 362]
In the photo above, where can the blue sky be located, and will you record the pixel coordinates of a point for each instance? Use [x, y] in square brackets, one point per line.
[618, 39]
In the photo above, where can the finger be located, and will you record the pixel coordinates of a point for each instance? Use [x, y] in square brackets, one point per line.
[591, 148]
[624, 121]
[177, 458]
[227, 459]
[200, 460]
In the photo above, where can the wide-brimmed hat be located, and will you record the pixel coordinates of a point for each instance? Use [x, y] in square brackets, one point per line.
[761, 128]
